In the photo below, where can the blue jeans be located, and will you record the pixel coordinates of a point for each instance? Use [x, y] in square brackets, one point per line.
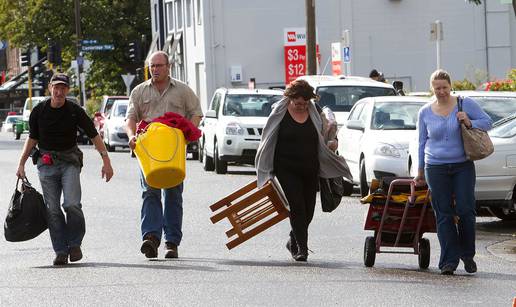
[445, 181]
[156, 219]
[63, 178]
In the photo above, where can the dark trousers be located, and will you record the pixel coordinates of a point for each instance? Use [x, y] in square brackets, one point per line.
[457, 241]
[300, 189]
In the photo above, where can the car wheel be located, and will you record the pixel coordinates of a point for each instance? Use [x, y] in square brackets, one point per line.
[504, 214]
[195, 155]
[106, 142]
[221, 167]
[364, 188]
[369, 251]
[424, 253]
[209, 166]
[201, 150]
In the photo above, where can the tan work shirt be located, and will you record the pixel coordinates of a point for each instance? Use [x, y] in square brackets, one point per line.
[146, 102]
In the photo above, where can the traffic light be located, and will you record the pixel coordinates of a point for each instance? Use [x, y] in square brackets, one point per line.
[54, 52]
[135, 51]
[25, 58]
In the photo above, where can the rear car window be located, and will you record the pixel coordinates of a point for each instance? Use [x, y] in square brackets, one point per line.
[342, 98]
[249, 105]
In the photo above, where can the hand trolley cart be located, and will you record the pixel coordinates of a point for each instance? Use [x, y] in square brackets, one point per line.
[399, 221]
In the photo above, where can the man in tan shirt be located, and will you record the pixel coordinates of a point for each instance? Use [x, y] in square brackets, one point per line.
[149, 100]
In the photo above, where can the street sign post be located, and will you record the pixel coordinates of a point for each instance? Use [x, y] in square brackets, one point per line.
[436, 34]
[336, 59]
[88, 45]
[294, 42]
[128, 80]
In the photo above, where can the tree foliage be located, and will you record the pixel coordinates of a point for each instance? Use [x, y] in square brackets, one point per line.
[30, 22]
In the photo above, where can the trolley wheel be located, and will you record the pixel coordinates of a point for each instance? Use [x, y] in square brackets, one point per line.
[369, 251]
[423, 256]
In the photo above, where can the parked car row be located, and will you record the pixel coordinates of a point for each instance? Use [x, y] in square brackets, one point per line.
[377, 134]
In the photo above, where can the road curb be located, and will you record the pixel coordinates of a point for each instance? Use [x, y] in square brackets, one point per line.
[505, 249]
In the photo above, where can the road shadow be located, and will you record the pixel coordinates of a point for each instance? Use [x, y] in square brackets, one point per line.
[242, 172]
[289, 263]
[155, 264]
[497, 226]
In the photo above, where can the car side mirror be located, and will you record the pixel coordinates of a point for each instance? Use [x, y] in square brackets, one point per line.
[211, 114]
[355, 125]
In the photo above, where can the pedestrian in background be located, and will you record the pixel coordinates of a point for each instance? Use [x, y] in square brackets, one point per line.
[149, 100]
[449, 175]
[293, 150]
[374, 74]
[53, 127]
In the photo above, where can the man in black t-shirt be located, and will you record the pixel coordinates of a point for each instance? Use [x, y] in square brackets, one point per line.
[53, 127]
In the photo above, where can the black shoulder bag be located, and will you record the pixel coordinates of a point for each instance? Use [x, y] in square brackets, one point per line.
[27, 215]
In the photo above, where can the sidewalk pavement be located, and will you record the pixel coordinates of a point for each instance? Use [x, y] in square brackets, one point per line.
[505, 249]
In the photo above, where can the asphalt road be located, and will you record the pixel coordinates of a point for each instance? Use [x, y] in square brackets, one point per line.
[260, 272]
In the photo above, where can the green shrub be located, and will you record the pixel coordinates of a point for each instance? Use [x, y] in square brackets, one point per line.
[92, 106]
[463, 85]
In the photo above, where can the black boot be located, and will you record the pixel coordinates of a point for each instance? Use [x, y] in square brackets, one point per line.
[302, 254]
[292, 246]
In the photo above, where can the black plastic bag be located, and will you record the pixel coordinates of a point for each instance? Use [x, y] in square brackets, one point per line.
[331, 190]
[27, 214]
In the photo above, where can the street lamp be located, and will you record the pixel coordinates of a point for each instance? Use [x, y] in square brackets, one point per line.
[78, 56]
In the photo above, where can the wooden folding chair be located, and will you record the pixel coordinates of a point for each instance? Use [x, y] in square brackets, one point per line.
[251, 210]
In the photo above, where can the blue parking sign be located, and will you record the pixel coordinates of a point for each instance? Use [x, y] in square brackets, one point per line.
[346, 54]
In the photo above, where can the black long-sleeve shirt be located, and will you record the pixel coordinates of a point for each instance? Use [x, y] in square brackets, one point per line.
[297, 147]
[56, 128]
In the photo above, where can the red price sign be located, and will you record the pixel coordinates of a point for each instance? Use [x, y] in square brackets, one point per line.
[295, 62]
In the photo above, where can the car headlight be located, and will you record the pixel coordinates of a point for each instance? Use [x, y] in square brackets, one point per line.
[387, 150]
[234, 129]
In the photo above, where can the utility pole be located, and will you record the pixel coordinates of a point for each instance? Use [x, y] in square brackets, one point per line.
[311, 56]
[78, 56]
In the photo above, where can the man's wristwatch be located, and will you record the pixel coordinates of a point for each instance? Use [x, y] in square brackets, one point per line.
[103, 153]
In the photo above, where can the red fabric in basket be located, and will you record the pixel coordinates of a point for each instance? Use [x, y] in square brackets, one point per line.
[174, 120]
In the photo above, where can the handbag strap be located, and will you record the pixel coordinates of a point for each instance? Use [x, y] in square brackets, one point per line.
[459, 103]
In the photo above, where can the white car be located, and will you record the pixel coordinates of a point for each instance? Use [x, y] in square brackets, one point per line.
[340, 93]
[375, 139]
[232, 126]
[496, 173]
[114, 126]
[8, 123]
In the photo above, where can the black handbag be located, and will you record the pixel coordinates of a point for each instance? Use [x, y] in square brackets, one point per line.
[27, 214]
[332, 190]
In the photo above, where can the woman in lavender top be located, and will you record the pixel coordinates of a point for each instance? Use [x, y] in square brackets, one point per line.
[444, 167]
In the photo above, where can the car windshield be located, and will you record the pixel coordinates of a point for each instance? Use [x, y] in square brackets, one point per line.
[400, 115]
[249, 104]
[120, 110]
[13, 119]
[342, 98]
[497, 107]
[505, 130]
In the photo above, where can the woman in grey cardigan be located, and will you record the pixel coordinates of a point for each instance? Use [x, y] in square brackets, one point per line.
[293, 149]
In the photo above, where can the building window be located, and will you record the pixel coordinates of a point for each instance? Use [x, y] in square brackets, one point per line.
[188, 13]
[169, 9]
[198, 11]
[179, 14]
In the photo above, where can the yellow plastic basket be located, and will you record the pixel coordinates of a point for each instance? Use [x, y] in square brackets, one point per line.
[161, 153]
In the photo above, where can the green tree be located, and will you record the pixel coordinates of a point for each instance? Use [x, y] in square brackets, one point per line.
[118, 22]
